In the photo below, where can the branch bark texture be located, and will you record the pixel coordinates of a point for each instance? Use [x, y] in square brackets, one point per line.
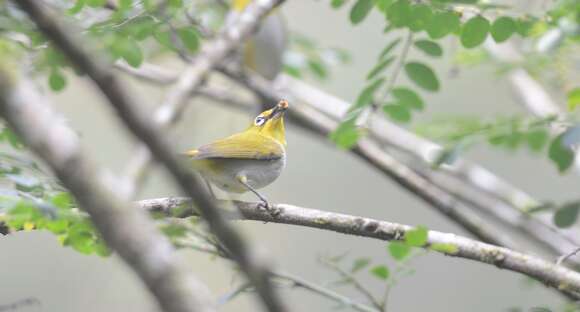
[557, 276]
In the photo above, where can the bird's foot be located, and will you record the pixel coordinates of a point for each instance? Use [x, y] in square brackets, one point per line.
[273, 210]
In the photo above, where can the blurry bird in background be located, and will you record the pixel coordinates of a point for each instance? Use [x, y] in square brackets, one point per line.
[264, 51]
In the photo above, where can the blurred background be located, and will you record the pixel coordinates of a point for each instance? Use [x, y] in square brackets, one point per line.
[318, 175]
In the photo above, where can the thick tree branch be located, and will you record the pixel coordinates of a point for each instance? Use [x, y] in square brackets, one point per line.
[559, 277]
[127, 231]
[142, 127]
[211, 55]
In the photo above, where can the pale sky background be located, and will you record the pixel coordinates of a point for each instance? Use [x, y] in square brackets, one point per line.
[318, 176]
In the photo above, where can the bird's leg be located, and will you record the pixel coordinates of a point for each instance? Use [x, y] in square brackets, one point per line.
[264, 204]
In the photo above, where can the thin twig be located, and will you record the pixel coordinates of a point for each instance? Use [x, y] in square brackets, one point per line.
[567, 256]
[355, 283]
[395, 72]
[325, 292]
[234, 293]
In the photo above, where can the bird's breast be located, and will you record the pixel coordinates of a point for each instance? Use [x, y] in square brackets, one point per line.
[223, 172]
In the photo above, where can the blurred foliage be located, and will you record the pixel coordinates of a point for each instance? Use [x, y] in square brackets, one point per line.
[307, 57]
[138, 31]
[471, 22]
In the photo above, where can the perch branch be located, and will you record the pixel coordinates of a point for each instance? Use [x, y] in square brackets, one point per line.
[563, 279]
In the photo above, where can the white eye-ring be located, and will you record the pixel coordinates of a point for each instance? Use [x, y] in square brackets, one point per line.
[259, 121]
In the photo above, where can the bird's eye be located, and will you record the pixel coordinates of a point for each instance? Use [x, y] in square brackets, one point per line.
[259, 121]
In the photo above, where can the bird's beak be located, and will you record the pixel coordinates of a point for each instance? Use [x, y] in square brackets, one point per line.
[279, 109]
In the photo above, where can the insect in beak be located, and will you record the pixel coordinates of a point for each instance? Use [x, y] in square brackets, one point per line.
[279, 110]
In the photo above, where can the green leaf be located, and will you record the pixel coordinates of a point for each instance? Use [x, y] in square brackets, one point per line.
[389, 48]
[383, 5]
[96, 3]
[408, 98]
[190, 38]
[56, 80]
[380, 67]
[360, 264]
[12, 138]
[417, 237]
[164, 38]
[397, 112]
[335, 4]
[125, 4]
[421, 15]
[567, 215]
[474, 31]
[62, 200]
[399, 13]
[524, 25]
[175, 3]
[398, 250]
[292, 71]
[346, 134]
[79, 5]
[537, 139]
[380, 272]
[422, 75]
[366, 96]
[58, 226]
[360, 10]
[81, 238]
[446, 248]
[560, 154]
[429, 47]
[503, 28]
[129, 50]
[318, 68]
[101, 249]
[442, 24]
[573, 98]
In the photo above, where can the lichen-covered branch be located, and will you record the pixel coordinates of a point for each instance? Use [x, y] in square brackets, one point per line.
[561, 278]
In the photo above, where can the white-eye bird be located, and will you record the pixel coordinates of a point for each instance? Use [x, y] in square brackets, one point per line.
[249, 160]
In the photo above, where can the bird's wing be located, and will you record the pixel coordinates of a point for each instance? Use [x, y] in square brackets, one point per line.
[240, 146]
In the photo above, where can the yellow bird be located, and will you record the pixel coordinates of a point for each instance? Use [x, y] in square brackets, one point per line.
[249, 160]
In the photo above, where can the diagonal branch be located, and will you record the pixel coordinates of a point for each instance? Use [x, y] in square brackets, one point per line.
[127, 231]
[562, 279]
[472, 177]
[140, 126]
[211, 55]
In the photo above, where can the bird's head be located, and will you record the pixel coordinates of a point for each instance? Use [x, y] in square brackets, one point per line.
[271, 122]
